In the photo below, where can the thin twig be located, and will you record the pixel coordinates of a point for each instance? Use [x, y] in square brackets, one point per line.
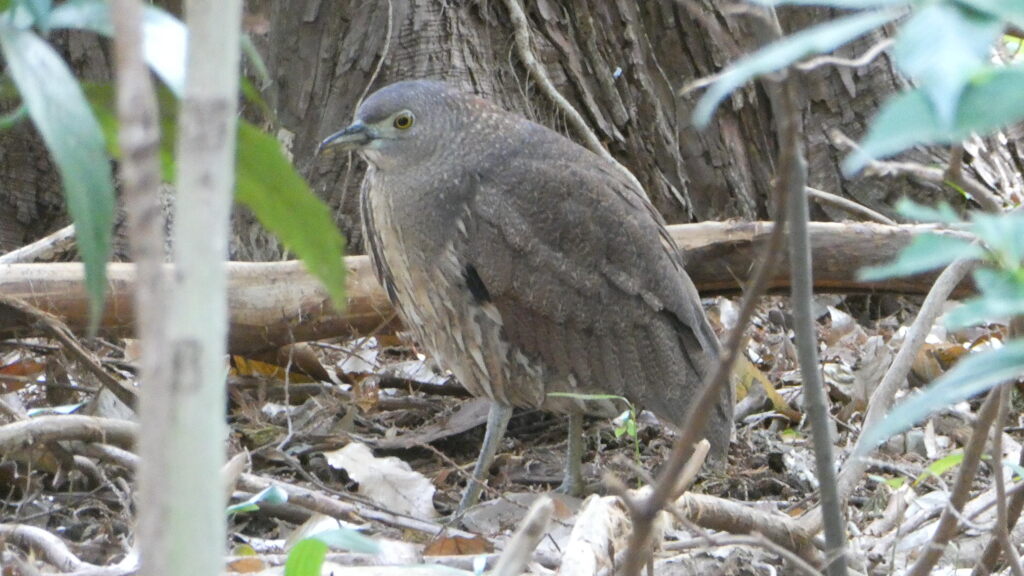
[91, 429]
[56, 329]
[714, 513]
[522, 35]
[792, 180]
[1002, 529]
[986, 199]
[862, 60]
[755, 539]
[42, 430]
[519, 550]
[849, 206]
[311, 500]
[948, 522]
[388, 30]
[45, 248]
[883, 396]
[49, 547]
[955, 174]
[990, 557]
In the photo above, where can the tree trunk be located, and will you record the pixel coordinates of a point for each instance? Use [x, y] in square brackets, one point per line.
[621, 64]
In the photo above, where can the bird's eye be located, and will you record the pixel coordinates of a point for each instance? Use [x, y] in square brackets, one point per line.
[403, 121]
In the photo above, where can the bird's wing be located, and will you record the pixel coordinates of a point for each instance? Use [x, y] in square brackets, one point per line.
[372, 240]
[588, 282]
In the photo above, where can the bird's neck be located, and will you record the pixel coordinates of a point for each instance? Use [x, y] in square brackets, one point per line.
[424, 208]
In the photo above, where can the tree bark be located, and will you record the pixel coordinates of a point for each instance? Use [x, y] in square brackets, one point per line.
[278, 303]
[621, 64]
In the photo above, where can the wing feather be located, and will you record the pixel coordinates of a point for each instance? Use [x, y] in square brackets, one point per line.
[604, 299]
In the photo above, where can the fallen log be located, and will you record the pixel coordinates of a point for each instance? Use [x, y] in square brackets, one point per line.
[277, 303]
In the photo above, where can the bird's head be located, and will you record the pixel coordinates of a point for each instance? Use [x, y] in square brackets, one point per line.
[401, 125]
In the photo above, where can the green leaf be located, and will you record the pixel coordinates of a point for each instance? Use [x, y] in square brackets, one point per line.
[973, 375]
[1002, 297]
[1017, 469]
[895, 482]
[271, 495]
[908, 119]
[14, 117]
[988, 102]
[305, 558]
[269, 185]
[943, 68]
[102, 99]
[941, 212]
[925, 252]
[1009, 10]
[348, 539]
[266, 182]
[815, 40]
[939, 467]
[73, 136]
[259, 67]
[164, 36]
[40, 11]
[904, 120]
[1003, 234]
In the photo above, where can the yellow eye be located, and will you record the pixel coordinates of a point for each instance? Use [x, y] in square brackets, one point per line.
[403, 121]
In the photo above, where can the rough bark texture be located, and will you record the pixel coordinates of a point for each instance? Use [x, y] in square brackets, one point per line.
[621, 63]
[31, 203]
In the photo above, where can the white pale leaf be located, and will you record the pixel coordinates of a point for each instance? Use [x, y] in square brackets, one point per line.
[389, 482]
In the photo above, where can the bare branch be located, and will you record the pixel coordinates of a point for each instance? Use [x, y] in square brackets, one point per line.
[848, 205]
[862, 60]
[947, 526]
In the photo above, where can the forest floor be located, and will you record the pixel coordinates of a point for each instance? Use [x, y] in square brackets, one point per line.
[371, 433]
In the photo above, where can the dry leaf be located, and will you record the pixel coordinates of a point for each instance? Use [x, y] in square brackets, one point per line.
[246, 565]
[389, 482]
[243, 366]
[745, 376]
[458, 546]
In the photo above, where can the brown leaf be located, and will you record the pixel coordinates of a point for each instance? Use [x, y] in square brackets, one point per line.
[458, 546]
[243, 366]
[933, 360]
[746, 375]
[247, 565]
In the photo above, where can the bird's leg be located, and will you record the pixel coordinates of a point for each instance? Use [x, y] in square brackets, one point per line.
[497, 422]
[572, 482]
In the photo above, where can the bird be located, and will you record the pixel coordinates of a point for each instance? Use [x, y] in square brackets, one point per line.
[534, 270]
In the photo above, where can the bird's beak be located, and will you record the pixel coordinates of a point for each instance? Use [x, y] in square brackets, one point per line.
[355, 137]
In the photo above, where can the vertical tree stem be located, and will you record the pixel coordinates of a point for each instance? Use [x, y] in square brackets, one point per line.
[793, 181]
[194, 454]
[139, 171]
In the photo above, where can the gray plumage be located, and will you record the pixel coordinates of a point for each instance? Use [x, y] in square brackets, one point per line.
[523, 262]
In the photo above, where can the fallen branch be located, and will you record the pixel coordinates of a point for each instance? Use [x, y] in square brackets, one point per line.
[46, 248]
[277, 303]
[49, 547]
[32, 432]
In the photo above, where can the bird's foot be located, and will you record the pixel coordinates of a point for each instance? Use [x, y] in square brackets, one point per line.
[571, 487]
